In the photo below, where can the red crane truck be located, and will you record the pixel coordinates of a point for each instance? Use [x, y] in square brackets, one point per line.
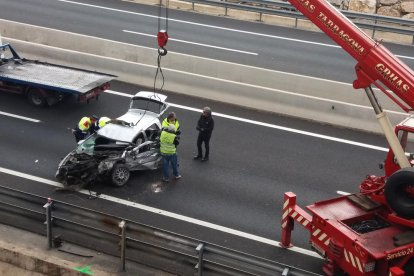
[370, 232]
[45, 83]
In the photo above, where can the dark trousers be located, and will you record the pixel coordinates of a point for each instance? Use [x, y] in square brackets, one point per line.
[206, 139]
[166, 160]
[79, 135]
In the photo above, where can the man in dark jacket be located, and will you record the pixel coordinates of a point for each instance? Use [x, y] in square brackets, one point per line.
[205, 126]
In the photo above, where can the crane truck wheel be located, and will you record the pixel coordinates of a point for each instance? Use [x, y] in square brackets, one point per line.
[399, 192]
[36, 98]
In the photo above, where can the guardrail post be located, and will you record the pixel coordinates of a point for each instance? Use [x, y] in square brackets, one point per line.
[374, 29]
[122, 228]
[287, 222]
[285, 272]
[48, 222]
[200, 252]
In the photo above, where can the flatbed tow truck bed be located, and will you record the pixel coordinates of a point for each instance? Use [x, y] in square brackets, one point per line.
[51, 76]
[46, 83]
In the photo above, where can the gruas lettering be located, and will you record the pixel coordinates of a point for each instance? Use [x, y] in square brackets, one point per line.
[307, 5]
[393, 78]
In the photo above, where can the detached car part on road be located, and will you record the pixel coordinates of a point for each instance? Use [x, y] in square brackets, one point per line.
[129, 143]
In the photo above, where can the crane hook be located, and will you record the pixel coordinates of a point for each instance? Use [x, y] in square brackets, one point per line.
[162, 38]
[162, 35]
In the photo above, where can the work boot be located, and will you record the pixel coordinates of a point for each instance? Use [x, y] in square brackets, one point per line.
[197, 157]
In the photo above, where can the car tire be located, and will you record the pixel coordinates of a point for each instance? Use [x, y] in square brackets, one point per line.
[398, 192]
[120, 175]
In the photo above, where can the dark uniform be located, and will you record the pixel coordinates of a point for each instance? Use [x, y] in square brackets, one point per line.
[205, 126]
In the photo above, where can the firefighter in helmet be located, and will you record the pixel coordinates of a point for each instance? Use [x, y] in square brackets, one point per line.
[82, 130]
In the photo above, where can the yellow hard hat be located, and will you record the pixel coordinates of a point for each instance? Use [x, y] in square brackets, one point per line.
[103, 121]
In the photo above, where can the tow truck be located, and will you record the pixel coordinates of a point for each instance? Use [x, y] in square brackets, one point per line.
[46, 83]
[370, 232]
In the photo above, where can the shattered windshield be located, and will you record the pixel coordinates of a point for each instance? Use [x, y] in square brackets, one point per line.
[87, 145]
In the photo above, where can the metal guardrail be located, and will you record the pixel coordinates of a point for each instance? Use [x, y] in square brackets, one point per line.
[363, 20]
[130, 240]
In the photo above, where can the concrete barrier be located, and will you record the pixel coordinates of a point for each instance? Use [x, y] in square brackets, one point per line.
[294, 95]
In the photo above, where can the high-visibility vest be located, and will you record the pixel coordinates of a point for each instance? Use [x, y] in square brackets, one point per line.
[102, 121]
[166, 123]
[167, 143]
[84, 124]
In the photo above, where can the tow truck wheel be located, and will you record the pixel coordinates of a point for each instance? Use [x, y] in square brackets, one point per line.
[36, 98]
[399, 192]
[120, 175]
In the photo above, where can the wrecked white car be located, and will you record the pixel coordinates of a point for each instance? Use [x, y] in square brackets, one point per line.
[129, 143]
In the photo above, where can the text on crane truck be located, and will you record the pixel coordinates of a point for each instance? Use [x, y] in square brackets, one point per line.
[392, 77]
[307, 5]
[340, 33]
[400, 253]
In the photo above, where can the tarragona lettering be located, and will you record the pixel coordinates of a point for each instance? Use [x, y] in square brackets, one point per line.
[389, 75]
[340, 33]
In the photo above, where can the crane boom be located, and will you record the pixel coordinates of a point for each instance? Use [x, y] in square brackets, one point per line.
[375, 62]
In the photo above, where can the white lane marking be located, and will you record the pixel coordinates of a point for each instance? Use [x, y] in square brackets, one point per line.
[165, 213]
[19, 117]
[407, 57]
[288, 129]
[342, 193]
[214, 27]
[195, 43]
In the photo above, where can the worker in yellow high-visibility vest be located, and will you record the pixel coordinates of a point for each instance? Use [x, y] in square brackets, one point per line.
[168, 149]
[172, 119]
[82, 129]
[98, 124]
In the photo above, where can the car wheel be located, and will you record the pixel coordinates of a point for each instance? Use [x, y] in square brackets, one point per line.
[120, 175]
